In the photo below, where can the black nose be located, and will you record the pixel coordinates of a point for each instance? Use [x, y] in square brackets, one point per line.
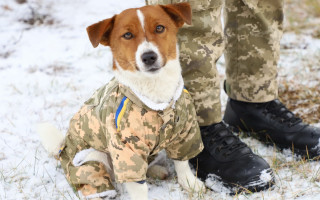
[149, 58]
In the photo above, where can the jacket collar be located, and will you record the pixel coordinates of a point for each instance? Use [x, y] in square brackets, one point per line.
[143, 101]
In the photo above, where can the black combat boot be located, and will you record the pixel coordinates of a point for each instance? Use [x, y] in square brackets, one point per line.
[273, 123]
[227, 159]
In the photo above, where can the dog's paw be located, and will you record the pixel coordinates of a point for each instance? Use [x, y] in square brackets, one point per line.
[186, 178]
[192, 184]
[198, 186]
[157, 172]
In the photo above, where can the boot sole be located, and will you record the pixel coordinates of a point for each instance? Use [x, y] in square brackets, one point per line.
[254, 184]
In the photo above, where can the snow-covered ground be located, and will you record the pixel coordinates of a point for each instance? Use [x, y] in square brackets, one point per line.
[48, 68]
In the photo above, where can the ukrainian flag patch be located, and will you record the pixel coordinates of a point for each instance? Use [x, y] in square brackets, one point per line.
[185, 90]
[120, 112]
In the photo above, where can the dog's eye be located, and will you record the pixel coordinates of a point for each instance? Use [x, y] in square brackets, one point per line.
[128, 36]
[160, 29]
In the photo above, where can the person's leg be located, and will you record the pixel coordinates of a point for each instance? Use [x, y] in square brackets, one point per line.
[201, 45]
[253, 31]
[224, 155]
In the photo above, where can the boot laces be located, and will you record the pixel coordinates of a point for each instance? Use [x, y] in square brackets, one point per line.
[220, 135]
[281, 113]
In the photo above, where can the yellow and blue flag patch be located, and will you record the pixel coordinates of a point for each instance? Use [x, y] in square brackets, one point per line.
[120, 111]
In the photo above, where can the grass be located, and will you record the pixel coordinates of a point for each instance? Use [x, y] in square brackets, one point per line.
[314, 7]
[303, 16]
[299, 97]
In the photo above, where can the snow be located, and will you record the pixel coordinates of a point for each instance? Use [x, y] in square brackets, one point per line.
[213, 182]
[48, 68]
[265, 176]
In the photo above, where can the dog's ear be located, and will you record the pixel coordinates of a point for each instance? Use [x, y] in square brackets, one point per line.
[180, 13]
[100, 32]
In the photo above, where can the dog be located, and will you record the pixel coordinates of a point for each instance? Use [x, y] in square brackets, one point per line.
[143, 110]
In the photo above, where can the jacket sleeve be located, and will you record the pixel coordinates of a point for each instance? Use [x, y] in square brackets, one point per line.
[188, 143]
[91, 178]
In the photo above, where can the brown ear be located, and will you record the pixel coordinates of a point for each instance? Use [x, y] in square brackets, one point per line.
[180, 13]
[100, 32]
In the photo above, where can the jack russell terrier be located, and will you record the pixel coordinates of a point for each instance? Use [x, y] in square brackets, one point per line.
[143, 110]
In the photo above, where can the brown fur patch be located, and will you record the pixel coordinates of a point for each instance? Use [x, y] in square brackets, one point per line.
[124, 50]
[110, 32]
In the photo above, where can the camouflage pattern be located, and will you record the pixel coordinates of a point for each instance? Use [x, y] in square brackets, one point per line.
[201, 45]
[142, 132]
[253, 29]
[251, 39]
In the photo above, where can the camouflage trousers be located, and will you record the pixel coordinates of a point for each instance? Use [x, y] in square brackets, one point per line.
[251, 45]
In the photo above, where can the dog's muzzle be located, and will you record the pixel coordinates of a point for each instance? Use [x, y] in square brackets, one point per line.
[149, 59]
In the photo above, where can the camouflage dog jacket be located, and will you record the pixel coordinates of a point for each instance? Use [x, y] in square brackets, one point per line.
[115, 121]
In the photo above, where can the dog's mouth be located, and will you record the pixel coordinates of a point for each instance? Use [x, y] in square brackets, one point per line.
[153, 69]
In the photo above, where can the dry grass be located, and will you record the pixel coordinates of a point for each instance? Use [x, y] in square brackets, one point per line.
[303, 100]
[303, 16]
[313, 6]
[36, 18]
[21, 1]
[5, 54]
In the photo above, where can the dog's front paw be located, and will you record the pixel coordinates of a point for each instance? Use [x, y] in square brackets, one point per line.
[186, 178]
[191, 184]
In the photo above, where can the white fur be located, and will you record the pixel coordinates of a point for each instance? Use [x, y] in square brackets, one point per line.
[161, 106]
[160, 87]
[110, 194]
[81, 156]
[137, 191]
[186, 178]
[94, 155]
[90, 155]
[51, 138]
[145, 47]
[141, 19]
[160, 159]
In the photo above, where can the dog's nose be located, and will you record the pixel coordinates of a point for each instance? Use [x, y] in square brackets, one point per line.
[149, 58]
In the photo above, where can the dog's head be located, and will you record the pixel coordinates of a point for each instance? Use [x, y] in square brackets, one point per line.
[142, 39]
